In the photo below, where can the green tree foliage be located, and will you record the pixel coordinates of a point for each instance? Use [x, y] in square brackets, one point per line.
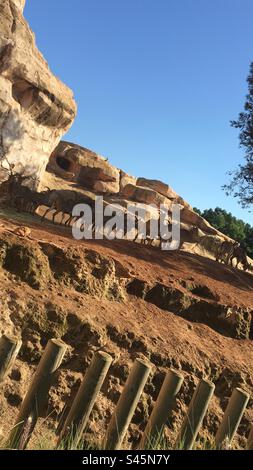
[226, 223]
[241, 184]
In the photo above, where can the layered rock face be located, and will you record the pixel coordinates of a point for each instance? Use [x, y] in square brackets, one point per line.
[20, 4]
[36, 109]
[88, 169]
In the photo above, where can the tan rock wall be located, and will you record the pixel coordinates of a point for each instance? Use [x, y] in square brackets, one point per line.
[126, 179]
[144, 195]
[36, 109]
[20, 4]
[85, 167]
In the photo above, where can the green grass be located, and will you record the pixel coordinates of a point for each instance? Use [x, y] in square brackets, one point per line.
[45, 439]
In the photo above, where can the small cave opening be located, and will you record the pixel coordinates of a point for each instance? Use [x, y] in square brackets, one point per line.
[24, 93]
[63, 163]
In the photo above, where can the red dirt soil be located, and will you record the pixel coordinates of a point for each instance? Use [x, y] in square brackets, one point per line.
[135, 327]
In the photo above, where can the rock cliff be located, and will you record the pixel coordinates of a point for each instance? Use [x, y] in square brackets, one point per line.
[36, 108]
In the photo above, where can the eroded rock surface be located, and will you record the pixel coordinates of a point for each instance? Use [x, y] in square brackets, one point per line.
[84, 170]
[84, 167]
[176, 310]
[36, 108]
[131, 302]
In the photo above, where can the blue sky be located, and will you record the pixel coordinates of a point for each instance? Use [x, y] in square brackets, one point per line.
[156, 82]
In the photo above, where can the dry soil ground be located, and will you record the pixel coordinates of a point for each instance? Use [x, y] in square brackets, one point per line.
[177, 309]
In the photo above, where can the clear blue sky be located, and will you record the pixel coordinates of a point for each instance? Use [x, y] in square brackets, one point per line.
[156, 82]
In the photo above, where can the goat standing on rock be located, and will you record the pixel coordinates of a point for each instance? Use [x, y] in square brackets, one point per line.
[229, 251]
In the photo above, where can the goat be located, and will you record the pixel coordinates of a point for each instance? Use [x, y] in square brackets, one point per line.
[13, 190]
[240, 255]
[149, 240]
[56, 201]
[226, 251]
[8, 187]
[124, 229]
[230, 251]
[69, 210]
[24, 198]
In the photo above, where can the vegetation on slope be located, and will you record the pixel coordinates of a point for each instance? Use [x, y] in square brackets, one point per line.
[226, 223]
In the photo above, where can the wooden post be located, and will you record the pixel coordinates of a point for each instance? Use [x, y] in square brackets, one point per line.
[127, 404]
[196, 413]
[232, 417]
[80, 411]
[9, 349]
[250, 439]
[37, 394]
[162, 409]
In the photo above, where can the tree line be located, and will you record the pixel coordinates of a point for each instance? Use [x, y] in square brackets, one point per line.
[241, 180]
[226, 223]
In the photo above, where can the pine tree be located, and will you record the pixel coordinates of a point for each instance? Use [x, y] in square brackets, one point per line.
[226, 223]
[241, 185]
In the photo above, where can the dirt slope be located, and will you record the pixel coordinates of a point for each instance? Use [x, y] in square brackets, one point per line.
[177, 309]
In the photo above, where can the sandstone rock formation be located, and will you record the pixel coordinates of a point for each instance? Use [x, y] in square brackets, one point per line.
[88, 169]
[92, 173]
[158, 186]
[20, 4]
[36, 109]
[144, 195]
[175, 310]
[126, 179]
[164, 189]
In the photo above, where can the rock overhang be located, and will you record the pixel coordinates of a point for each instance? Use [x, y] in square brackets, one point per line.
[36, 108]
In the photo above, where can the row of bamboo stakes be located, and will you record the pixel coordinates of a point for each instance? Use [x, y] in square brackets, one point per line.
[79, 414]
